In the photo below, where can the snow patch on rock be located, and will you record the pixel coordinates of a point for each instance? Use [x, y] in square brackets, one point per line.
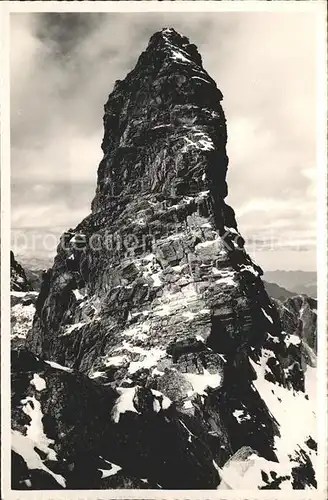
[22, 318]
[284, 404]
[124, 403]
[267, 315]
[35, 437]
[292, 339]
[58, 366]
[115, 360]
[200, 141]
[241, 415]
[246, 474]
[165, 402]
[151, 357]
[78, 295]
[69, 329]
[38, 382]
[109, 472]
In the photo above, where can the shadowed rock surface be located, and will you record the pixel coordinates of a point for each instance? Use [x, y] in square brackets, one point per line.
[299, 315]
[277, 292]
[154, 298]
[34, 277]
[18, 279]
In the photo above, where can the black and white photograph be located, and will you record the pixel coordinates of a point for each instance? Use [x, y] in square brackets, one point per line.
[166, 274]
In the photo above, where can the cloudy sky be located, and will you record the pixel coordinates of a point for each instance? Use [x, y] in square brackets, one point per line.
[63, 66]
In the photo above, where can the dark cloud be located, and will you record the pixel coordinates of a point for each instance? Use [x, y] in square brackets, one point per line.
[65, 31]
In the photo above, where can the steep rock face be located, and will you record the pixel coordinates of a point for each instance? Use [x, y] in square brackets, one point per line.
[22, 299]
[159, 208]
[154, 295]
[277, 292]
[21, 316]
[18, 279]
[298, 315]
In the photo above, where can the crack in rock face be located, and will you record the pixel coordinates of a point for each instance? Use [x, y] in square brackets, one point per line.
[156, 358]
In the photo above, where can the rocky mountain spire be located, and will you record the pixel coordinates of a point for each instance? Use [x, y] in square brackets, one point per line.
[164, 130]
[18, 279]
[154, 298]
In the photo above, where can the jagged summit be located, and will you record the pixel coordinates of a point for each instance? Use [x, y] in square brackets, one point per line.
[169, 35]
[169, 47]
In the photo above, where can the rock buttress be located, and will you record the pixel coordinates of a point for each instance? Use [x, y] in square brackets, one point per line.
[18, 279]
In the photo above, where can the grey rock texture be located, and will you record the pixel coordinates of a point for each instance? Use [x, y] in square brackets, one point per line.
[18, 279]
[154, 298]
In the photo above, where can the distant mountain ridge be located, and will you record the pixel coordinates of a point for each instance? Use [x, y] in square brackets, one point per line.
[299, 282]
[18, 278]
[26, 273]
[277, 292]
[34, 263]
[34, 277]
